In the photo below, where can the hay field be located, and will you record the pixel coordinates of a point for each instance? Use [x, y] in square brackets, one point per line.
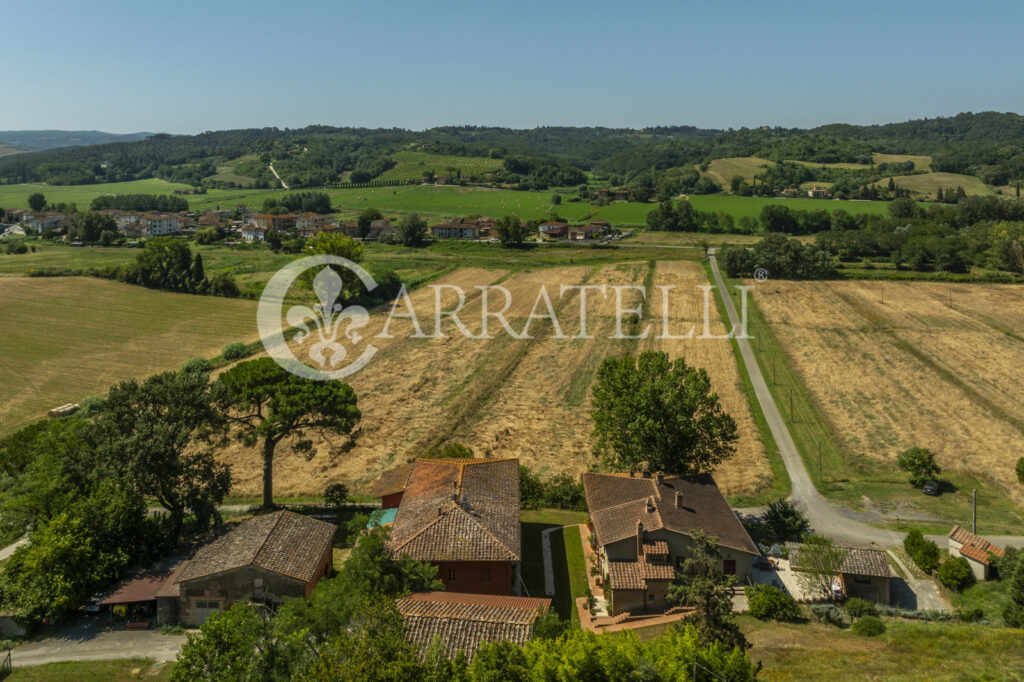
[66, 338]
[894, 365]
[920, 162]
[928, 184]
[723, 170]
[504, 397]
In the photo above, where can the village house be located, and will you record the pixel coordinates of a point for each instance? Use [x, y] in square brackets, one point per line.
[310, 221]
[977, 550]
[382, 229]
[865, 572]
[262, 560]
[643, 525]
[552, 229]
[42, 221]
[278, 223]
[590, 230]
[464, 622]
[462, 515]
[252, 233]
[159, 224]
[818, 193]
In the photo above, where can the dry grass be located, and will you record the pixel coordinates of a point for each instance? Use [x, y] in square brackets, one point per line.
[894, 365]
[67, 338]
[503, 397]
[928, 184]
[920, 162]
[723, 170]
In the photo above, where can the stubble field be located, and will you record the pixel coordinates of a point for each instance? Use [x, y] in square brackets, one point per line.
[525, 398]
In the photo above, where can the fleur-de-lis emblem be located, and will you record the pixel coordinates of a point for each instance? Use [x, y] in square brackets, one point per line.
[327, 316]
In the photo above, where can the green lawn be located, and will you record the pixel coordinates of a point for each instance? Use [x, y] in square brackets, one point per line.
[16, 196]
[95, 671]
[567, 558]
[991, 597]
[906, 651]
[852, 478]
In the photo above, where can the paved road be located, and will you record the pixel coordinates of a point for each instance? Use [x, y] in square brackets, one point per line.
[87, 640]
[825, 518]
[915, 593]
[7, 551]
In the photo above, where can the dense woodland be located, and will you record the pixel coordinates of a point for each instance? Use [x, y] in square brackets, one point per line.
[988, 145]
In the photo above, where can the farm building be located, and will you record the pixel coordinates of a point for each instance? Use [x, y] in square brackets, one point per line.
[252, 233]
[279, 222]
[464, 622]
[262, 560]
[865, 572]
[391, 485]
[148, 598]
[311, 221]
[553, 229]
[462, 515]
[818, 193]
[460, 228]
[644, 525]
[977, 550]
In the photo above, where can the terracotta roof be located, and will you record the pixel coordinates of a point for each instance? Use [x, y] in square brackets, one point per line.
[283, 542]
[618, 501]
[633, 575]
[974, 546]
[392, 480]
[145, 587]
[465, 621]
[659, 547]
[459, 510]
[860, 559]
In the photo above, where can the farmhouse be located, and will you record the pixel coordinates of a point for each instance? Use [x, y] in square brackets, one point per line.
[553, 229]
[590, 230]
[309, 220]
[977, 550]
[262, 560]
[461, 515]
[644, 526]
[818, 193]
[42, 221]
[159, 224]
[464, 622]
[382, 229]
[865, 572]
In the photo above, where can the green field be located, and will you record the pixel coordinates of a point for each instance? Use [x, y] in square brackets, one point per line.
[66, 338]
[226, 171]
[430, 200]
[412, 165]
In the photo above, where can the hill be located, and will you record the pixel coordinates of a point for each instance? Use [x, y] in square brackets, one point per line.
[37, 140]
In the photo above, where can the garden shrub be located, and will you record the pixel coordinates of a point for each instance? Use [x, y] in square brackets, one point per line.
[235, 351]
[924, 552]
[768, 602]
[869, 626]
[955, 573]
[828, 613]
[858, 608]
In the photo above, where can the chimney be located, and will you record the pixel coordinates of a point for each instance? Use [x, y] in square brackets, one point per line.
[646, 471]
[455, 491]
[679, 499]
[660, 476]
[639, 539]
[632, 472]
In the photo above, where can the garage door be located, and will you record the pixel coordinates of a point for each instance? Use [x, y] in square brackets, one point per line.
[204, 609]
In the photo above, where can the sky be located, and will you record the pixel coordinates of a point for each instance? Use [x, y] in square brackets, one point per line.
[186, 66]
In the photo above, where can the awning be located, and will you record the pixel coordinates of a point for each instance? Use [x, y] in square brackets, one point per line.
[142, 588]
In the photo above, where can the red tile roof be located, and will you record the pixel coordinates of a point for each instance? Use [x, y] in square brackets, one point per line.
[392, 480]
[618, 501]
[464, 622]
[283, 542]
[143, 588]
[974, 546]
[459, 510]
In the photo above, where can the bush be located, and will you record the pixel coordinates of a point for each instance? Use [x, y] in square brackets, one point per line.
[197, 366]
[235, 351]
[828, 613]
[768, 602]
[924, 552]
[920, 464]
[969, 615]
[869, 626]
[858, 608]
[335, 495]
[955, 573]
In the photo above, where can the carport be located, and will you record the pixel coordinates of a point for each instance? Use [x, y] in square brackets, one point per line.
[135, 601]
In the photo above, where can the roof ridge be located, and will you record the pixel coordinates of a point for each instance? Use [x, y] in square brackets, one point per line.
[266, 538]
[424, 529]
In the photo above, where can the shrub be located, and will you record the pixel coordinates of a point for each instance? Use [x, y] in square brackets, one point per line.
[235, 351]
[768, 602]
[828, 613]
[955, 573]
[355, 526]
[197, 366]
[335, 495]
[920, 464]
[869, 626]
[924, 552]
[969, 615]
[858, 608]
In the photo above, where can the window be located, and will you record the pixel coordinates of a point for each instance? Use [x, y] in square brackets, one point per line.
[451, 575]
[862, 579]
[485, 574]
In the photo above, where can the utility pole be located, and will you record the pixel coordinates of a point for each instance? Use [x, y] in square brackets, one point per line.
[974, 504]
[792, 416]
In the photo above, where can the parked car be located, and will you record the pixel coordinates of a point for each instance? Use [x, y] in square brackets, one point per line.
[931, 488]
[762, 564]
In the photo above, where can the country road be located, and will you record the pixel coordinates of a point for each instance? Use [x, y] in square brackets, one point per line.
[274, 171]
[828, 519]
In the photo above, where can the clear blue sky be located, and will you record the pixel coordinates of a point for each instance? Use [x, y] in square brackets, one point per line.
[189, 66]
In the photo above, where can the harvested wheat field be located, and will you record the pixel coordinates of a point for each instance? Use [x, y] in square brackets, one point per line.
[526, 398]
[747, 470]
[899, 365]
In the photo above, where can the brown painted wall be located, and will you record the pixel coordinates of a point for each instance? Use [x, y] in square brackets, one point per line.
[470, 576]
[391, 501]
